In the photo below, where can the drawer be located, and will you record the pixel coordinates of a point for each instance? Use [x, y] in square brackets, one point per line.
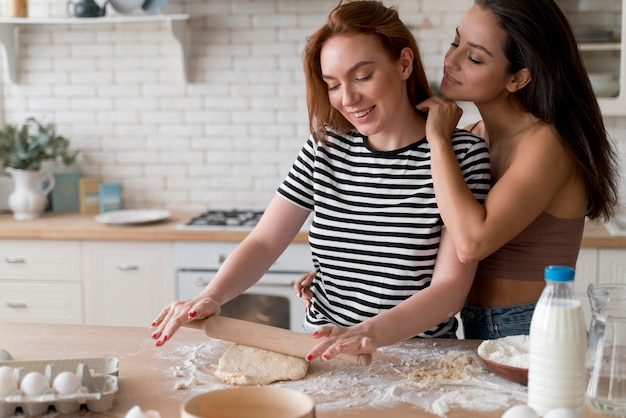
[211, 255]
[40, 260]
[41, 302]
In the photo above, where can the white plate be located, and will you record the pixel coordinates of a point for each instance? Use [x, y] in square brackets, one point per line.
[133, 216]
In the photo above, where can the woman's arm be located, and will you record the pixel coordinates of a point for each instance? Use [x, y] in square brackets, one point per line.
[280, 223]
[444, 297]
[537, 171]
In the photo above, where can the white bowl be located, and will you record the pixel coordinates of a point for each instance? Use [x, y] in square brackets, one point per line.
[250, 402]
[127, 6]
[604, 84]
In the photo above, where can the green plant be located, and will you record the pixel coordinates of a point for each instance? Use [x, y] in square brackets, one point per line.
[26, 147]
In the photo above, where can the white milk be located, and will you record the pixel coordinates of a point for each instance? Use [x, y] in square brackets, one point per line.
[557, 348]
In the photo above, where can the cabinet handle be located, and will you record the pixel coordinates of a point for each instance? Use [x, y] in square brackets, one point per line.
[201, 283]
[16, 305]
[127, 267]
[14, 260]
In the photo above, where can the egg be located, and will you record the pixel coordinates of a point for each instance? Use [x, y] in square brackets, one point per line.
[520, 411]
[561, 413]
[136, 412]
[34, 384]
[7, 371]
[67, 383]
[7, 385]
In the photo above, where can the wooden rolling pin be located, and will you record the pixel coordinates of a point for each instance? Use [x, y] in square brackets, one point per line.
[269, 338]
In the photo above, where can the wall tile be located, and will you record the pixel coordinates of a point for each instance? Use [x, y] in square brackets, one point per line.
[224, 139]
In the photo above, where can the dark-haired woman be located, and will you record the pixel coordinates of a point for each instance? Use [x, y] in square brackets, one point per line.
[552, 162]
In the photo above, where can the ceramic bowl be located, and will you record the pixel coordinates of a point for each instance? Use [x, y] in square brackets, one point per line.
[604, 84]
[127, 6]
[250, 402]
[514, 374]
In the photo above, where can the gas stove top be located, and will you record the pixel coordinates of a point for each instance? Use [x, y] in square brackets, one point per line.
[224, 219]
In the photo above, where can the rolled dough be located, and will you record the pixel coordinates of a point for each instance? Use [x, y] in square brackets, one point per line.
[245, 366]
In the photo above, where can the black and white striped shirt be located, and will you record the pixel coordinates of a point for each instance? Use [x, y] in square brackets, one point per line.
[376, 227]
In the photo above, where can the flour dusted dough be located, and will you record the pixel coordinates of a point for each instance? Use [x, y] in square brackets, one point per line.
[245, 366]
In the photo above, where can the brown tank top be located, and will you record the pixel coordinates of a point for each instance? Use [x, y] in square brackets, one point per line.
[547, 241]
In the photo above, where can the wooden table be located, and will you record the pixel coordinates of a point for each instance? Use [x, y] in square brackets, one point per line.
[148, 376]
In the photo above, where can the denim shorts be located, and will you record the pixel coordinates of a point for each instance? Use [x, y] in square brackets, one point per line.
[490, 323]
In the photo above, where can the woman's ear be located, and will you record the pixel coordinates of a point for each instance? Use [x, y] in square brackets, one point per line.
[519, 80]
[406, 62]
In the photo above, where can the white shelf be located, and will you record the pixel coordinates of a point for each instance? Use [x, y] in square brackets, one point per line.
[9, 33]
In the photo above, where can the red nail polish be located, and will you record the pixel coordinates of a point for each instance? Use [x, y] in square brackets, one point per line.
[326, 357]
[309, 357]
[314, 334]
[192, 314]
[154, 335]
[153, 324]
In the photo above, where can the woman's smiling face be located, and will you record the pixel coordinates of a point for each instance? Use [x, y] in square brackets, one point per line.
[475, 67]
[364, 83]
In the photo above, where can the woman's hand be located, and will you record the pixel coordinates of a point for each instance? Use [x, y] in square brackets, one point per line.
[177, 313]
[443, 117]
[336, 340]
[303, 288]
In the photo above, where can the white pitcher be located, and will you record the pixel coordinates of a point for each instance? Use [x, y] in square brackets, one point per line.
[28, 199]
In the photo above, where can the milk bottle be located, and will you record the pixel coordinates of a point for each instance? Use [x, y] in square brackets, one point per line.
[557, 346]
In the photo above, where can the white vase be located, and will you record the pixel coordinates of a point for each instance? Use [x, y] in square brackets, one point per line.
[28, 199]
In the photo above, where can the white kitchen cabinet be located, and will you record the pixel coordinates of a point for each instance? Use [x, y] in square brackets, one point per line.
[586, 273]
[612, 265]
[126, 283]
[599, 27]
[40, 281]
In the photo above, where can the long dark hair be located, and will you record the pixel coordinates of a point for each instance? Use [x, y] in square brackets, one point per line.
[540, 38]
[364, 17]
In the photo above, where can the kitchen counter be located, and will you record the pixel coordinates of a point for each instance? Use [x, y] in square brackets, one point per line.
[401, 382]
[72, 226]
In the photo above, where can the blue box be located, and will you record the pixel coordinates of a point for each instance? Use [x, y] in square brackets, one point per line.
[65, 196]
[110, 197]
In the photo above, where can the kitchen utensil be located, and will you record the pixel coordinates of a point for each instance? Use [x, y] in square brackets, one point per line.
[514, 374]
[28, 199]
[266, 337]
[250, 402]
[126, 6]
[606, 350]
[85, 8]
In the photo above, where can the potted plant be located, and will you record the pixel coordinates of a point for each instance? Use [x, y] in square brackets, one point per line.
[22, 152]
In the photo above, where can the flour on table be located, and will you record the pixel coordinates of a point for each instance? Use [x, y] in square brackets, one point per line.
[511, 351]
[245, 366]
[416, 372]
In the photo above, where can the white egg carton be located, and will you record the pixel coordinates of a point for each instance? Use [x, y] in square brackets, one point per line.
[98, 385]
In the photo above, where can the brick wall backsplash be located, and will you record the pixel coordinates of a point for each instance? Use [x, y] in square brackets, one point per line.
[225, 138]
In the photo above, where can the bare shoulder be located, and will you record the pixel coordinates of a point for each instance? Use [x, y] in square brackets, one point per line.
[543, 145]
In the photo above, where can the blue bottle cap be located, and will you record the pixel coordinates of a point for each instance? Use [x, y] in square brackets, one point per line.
[559, 273]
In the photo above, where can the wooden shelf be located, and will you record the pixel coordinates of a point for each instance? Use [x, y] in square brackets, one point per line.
[9, 33]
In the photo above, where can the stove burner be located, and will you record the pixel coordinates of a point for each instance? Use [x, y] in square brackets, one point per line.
[227, 218]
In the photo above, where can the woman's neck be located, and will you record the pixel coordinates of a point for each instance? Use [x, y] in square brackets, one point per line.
[408, 128]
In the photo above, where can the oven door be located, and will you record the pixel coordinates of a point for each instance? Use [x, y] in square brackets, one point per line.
[271, 301]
